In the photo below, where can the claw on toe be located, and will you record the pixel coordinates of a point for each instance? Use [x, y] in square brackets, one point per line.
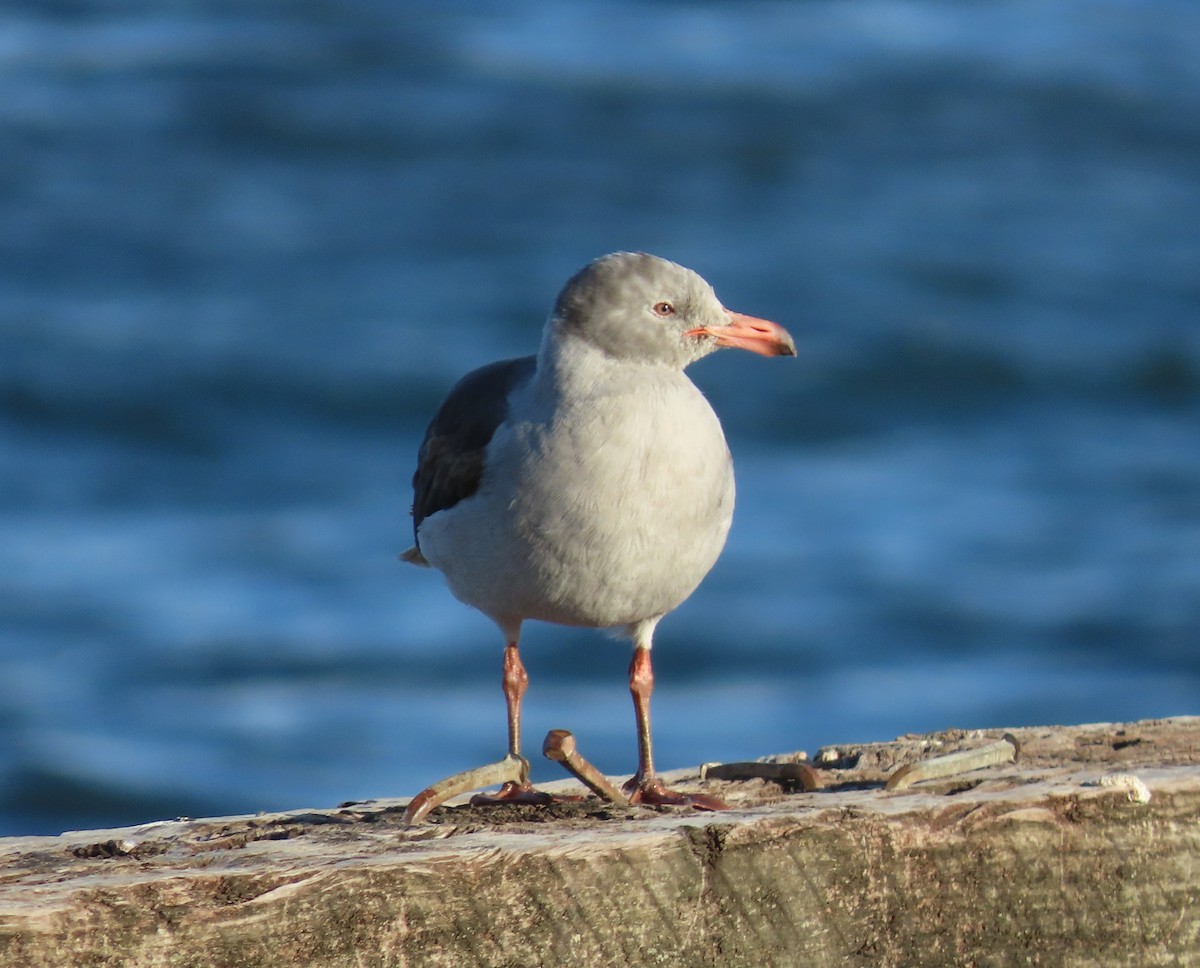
[652, 793]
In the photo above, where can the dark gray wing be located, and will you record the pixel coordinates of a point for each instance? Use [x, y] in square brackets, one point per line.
[450, 462]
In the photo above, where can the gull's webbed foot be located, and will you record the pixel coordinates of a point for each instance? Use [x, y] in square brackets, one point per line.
[651, 792]
[515, 791]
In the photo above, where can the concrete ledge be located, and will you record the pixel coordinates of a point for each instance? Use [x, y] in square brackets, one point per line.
[1024, 863]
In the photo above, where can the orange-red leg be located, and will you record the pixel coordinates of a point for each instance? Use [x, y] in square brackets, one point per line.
[645, 786]
[515, 682]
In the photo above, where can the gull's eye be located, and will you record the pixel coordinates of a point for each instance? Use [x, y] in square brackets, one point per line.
[664, 309]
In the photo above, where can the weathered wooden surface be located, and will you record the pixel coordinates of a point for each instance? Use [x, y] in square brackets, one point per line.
[1023, 863]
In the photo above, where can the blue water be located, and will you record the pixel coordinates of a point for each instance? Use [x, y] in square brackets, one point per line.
[245, 248]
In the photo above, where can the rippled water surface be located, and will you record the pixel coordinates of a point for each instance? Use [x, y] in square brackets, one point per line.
[246, 247]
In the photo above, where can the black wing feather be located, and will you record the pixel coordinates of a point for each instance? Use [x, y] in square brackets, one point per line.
[450, 462]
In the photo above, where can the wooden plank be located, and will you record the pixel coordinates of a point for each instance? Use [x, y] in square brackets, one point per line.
[1025, 863]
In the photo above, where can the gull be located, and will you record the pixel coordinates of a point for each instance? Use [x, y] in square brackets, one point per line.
[589, 485]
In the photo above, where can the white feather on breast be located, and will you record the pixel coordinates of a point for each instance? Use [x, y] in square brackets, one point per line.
[607, 497]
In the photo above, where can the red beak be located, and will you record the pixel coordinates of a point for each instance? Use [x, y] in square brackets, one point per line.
[748, 333]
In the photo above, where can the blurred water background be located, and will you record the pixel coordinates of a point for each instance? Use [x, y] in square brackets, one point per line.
[246, 247]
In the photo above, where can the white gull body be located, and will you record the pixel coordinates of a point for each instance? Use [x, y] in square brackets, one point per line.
[590, 485]
[606, 496]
